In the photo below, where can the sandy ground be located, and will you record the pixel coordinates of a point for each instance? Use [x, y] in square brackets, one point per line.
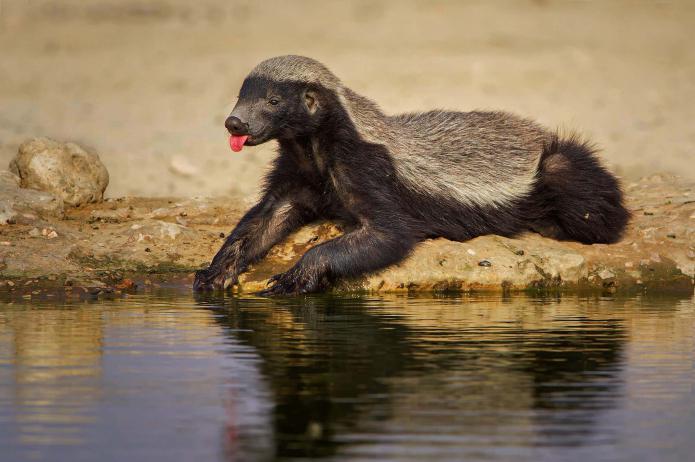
[149, 84]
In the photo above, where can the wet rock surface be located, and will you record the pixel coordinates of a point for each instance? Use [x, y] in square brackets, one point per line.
[66, 170]
[97, 249]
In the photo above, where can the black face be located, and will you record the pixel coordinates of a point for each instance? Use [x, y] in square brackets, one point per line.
[268, 109]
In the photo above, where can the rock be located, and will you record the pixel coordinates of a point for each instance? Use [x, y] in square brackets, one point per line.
[606, 274]
[49, 233]
[155, 231]
[7, 213]
[182, 166]
[16, 202]
[170, 230]
[66, 170]
[126, 284]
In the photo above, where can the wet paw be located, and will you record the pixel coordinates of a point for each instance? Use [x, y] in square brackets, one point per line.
[209, 279]
[292, 282]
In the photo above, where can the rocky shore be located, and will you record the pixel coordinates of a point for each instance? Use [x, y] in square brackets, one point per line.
[52, 244]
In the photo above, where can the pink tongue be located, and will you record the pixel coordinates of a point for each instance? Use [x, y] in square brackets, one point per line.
[236, 142]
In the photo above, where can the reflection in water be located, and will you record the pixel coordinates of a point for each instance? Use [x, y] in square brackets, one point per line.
[400, 378]
[55, 358]
[371, 375]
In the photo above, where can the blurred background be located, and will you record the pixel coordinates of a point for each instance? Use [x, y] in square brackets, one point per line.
[148, 84]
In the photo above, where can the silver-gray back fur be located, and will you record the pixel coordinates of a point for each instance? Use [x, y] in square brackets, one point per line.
[476, 158]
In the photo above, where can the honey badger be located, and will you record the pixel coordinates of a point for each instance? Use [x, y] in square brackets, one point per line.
[395, 180]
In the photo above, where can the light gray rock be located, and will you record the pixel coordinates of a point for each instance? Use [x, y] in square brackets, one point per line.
[66, 170]
[7, 213]
[16, 202]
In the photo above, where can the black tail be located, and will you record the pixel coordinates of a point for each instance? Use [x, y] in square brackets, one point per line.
[582, 200]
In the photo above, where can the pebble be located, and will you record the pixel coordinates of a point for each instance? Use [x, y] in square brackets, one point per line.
[484, 263]
[470, 252]
[49, 233]
[606, 274]
[182, 166]
[126, 284]
[35, 232]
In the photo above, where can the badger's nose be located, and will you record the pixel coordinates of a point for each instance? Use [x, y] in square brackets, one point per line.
[236, 126]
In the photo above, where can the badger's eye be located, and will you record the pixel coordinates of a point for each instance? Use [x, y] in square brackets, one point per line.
[274, 101]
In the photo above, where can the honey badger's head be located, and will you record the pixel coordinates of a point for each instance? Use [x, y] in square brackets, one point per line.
[282, 97]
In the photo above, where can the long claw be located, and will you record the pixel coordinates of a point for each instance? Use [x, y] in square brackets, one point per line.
[287, 283]
[211, 280]
[275, 289]
[273, 279]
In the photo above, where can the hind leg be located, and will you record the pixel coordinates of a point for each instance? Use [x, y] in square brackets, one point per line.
[548, 228]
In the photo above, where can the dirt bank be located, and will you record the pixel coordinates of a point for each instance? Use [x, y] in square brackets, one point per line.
[97, 248]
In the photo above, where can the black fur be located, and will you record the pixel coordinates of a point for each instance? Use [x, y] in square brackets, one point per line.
[582, 199]
[352, 180]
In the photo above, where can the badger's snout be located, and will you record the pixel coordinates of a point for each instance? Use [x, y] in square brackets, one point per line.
[236, 126]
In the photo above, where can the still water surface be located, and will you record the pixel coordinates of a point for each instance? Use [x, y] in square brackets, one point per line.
[174, 378]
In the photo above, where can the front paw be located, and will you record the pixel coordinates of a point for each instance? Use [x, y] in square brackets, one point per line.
[295, 281]
[210, 279]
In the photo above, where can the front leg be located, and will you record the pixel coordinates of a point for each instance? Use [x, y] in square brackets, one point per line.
[266, 224]
[361, 251]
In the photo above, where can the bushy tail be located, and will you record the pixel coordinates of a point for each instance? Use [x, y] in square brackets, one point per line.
[583, 200]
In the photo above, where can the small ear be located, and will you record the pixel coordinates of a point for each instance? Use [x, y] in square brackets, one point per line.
[311, 101]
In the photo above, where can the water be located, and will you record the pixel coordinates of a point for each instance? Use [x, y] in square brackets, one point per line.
[169, 377]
